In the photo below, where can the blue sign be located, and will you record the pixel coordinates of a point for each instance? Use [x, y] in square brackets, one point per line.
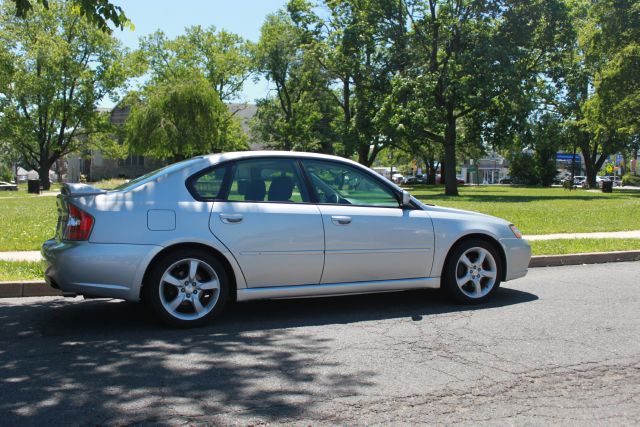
[619, 159]
[567, 156]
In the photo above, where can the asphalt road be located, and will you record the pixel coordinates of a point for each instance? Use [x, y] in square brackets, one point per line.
[560, 346]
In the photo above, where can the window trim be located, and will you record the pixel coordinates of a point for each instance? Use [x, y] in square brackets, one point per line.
[306, 182]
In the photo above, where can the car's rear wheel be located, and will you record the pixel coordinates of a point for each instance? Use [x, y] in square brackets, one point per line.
[187, 288]
[472, 272]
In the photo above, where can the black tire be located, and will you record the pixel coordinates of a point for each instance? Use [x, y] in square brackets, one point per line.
[155, 286]
[454, 268]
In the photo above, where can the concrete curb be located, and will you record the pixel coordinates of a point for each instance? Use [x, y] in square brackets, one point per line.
[588, 258]
[38, 288]
[27, 288]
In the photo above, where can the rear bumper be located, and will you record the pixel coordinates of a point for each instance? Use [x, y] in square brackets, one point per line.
[99, 270]
[518, 255]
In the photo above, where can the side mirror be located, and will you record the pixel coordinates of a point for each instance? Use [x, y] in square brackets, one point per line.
[406, 198]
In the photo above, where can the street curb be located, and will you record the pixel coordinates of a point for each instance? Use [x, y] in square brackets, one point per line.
[38, 288]
[587, 258]
[27, 288]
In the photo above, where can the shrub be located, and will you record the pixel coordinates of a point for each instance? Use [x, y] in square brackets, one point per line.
[5, 173]
[629, 179]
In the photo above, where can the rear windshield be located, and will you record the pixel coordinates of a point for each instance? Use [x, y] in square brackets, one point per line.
[152, 175]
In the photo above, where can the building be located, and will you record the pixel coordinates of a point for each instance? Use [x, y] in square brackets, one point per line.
[487, 170]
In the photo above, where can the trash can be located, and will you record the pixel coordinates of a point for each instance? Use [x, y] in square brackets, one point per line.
[33, 186]
[607, 186]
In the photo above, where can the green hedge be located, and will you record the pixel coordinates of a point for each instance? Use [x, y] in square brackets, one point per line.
[629, 179]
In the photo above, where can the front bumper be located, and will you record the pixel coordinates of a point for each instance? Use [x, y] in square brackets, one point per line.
[98, 270]
[518, 255]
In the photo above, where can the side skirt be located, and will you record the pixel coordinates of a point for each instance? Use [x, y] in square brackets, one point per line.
[331, 289]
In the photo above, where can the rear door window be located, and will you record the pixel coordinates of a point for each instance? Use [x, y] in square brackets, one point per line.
[267, 180]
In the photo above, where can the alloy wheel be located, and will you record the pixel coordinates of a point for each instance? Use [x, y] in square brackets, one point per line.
[189, 289]
[476, 272]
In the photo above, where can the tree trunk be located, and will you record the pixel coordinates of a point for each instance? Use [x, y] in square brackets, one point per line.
[449, 175]
[592, 162]
[363, 155]
[43, 171]
[431, 171]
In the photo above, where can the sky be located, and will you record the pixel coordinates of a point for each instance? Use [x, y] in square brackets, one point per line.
[243, 17]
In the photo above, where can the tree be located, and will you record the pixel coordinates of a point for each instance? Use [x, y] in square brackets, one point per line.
[223, 59]
[533, 157]
[590, 104]
[178, 118]
[360, 45]
[98, 12]
[470, 56]
[56, 67]
[614, 41]
[278, 57]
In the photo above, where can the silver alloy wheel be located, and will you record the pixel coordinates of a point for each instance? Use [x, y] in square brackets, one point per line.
[476, 272]
[189, 289]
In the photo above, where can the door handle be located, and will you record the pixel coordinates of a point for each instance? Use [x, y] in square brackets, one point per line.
[341, 220]
[231, 218]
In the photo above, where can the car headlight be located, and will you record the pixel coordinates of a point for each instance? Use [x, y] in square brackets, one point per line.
[515, 231]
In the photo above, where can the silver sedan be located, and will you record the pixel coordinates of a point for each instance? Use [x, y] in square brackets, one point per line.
[191, 237]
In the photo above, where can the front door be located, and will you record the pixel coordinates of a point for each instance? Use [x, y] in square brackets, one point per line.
[268, 225]
[368, 236]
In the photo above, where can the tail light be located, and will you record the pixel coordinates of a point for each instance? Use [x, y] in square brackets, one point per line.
[79, 224]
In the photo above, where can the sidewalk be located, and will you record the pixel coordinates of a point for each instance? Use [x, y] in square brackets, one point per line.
[20, 256]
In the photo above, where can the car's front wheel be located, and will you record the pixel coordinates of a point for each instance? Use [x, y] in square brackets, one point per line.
[472, 272]
[186, 288]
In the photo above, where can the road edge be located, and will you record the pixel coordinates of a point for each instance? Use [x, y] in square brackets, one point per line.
[586, 258]
[38, 288]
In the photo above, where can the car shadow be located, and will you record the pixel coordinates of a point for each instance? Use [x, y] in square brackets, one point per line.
[113, 316]
[108, 362]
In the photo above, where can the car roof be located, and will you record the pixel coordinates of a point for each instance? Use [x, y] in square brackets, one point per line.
[236, 155]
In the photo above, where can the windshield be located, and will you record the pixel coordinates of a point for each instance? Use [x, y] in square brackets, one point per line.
[151, 175]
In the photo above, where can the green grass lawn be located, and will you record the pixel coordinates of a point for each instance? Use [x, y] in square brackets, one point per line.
[21, 270]
[26, 222]
[545, 210]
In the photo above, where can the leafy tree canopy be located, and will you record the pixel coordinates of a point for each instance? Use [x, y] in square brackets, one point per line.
[54, 69]
[98, 12]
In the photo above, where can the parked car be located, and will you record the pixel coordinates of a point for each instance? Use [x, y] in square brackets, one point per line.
[413, 180]
[397, 178]
[506, 181]
[7, 186]
[578, 180]
[191, 237]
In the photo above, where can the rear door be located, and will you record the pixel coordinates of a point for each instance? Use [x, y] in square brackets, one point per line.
[268, 224]
[368, 236]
